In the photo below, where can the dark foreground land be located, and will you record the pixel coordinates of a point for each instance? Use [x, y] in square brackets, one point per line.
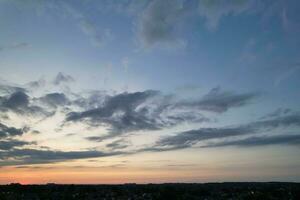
[207, 191]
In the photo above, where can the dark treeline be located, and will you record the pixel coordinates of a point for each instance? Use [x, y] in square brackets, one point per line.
[152, 191]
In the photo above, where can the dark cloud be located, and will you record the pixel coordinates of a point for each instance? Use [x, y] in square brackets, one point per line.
[10, 144]
[193, 136]
[19, 102]
[33, 167]
[94, 138]
[62, 78]
[190, 138]
[55, 99]
[6, 131]
[148, 110]
[35, 132]
[121, 112]
[220, 101]
[259, 141]
[125, 112]
[281, 121]
[277, 113]
[118, 144]
[34, 156]
[157, 148]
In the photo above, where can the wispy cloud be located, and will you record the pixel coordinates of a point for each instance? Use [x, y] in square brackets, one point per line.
[35, 156]
[287, 73]
[190, 138]
[14, 46]
[157, 24]
[62, 78]
[260, 141]
[98, 36]
[220, 101]
[214, 11]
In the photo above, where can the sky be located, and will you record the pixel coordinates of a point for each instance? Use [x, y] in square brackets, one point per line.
[149, 91]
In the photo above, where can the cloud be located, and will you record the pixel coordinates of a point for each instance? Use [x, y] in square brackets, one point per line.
[118, 144]
[277, 113]
[214, 11]
[220, 101]
[259, 141]
[125, 63]
[19, 102]
[121, 112]
[36, 84]
[94, 138]
[54, 99]
[98, 36]
[6, 131]
[62, 78]
[125, 112]
[8, 89]
[249, 52]
[93, 100]
[14, 46]
[281, 121]
[290, 71]
[158, 22]
[10, 144]
[289, 22]
[190, 138]
[78, 11]
[193, 136]
[151, 110]
[137, 111]
[34, 156]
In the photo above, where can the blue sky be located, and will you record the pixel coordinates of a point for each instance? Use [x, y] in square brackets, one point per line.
[159, 75]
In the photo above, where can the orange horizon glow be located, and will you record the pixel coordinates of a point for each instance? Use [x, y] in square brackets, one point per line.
[123, 176]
